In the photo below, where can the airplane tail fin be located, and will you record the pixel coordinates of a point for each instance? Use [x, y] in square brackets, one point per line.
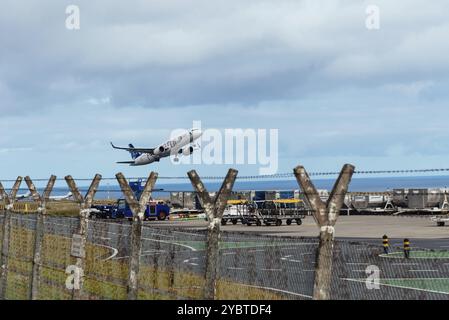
[134, 154]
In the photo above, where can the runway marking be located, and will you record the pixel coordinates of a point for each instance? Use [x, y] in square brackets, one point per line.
[277, 290]
[287, 258]
[263, 269]
[404, 287]
[171, 242]
[423, 270]
[229, 253]
[102, 238]
[358, 263]
[235, 268]
[405, 264]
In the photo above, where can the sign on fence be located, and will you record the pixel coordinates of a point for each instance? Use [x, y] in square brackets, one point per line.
[77, 250]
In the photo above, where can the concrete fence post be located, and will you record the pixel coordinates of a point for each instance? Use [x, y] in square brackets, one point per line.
[79, 239]
[325, 215]
[214, 210]
[39, 231]
[138, 208]
[8, 201]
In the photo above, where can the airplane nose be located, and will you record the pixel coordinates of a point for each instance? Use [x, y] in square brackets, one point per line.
[197, 134]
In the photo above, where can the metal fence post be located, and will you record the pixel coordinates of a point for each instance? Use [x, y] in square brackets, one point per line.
[325, 215]
[8, 200]
[39, 232]
[138, 209]
[79, 239]
[214, 210]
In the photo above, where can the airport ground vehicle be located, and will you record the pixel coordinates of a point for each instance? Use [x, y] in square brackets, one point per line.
[440, 220]
[268, 212]
[121, 209]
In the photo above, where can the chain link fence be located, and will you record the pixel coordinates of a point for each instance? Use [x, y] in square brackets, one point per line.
[173, 259]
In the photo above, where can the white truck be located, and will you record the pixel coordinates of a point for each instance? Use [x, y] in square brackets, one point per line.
[440, 220]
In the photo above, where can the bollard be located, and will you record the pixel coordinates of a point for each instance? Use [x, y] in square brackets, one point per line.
[386, 244]
[325, 215]
[9, 201]
[214, 210]
[138, 209]
[39, 231]
[407, 248]
[79, 239]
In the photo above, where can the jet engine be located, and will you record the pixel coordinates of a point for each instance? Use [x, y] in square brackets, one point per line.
[158, 150]
[187, 151]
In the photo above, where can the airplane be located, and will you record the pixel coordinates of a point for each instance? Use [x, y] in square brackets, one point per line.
[23, 196]
[64, 197]
[182, 145]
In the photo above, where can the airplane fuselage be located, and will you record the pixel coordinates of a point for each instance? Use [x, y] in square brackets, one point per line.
[174, 147]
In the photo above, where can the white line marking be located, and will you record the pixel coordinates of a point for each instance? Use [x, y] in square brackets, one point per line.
[229, 253]
[402, 287]
[102, 238]
[358, 263]
[170, 242]
[423, 270]
[404, 264]
[114, 251]
[263, 269]
[235, 268]
[291, 260]
[277, 290]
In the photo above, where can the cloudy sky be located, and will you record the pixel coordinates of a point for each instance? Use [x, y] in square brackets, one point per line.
[337, 91]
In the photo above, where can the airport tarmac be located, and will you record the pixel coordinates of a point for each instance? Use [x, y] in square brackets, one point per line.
[366, 227]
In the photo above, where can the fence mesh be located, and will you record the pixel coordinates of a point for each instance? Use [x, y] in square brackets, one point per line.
[251, 266]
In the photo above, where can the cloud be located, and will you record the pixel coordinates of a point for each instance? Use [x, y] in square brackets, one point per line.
[136, 70]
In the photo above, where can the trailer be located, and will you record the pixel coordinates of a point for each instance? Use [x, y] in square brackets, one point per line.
[238, 211]
[268, 212]
[277, 212]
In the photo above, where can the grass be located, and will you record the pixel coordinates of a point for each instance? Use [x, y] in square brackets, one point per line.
[106, 279]
[420, 254]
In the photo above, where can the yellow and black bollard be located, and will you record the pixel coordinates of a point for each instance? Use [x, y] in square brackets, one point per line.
[407, 248]
[386, 244]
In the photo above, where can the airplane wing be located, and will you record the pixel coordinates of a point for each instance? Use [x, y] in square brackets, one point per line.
[144, 150]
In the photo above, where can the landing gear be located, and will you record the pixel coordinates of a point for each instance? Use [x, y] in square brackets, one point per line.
[298, 222]
[289, 222]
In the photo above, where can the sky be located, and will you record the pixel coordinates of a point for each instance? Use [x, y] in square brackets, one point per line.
[338, 92]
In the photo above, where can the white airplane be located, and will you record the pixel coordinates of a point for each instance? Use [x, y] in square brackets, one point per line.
[23, 196]
[64, 197]
[182, 145]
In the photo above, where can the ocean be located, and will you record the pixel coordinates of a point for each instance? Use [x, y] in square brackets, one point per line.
[111, 189]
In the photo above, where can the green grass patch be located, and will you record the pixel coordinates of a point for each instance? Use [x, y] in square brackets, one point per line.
[421, 254]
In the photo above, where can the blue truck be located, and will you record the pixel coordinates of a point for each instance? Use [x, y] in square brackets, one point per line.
[119, 210]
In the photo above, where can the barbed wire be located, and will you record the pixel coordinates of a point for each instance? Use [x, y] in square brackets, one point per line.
[261, 177]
